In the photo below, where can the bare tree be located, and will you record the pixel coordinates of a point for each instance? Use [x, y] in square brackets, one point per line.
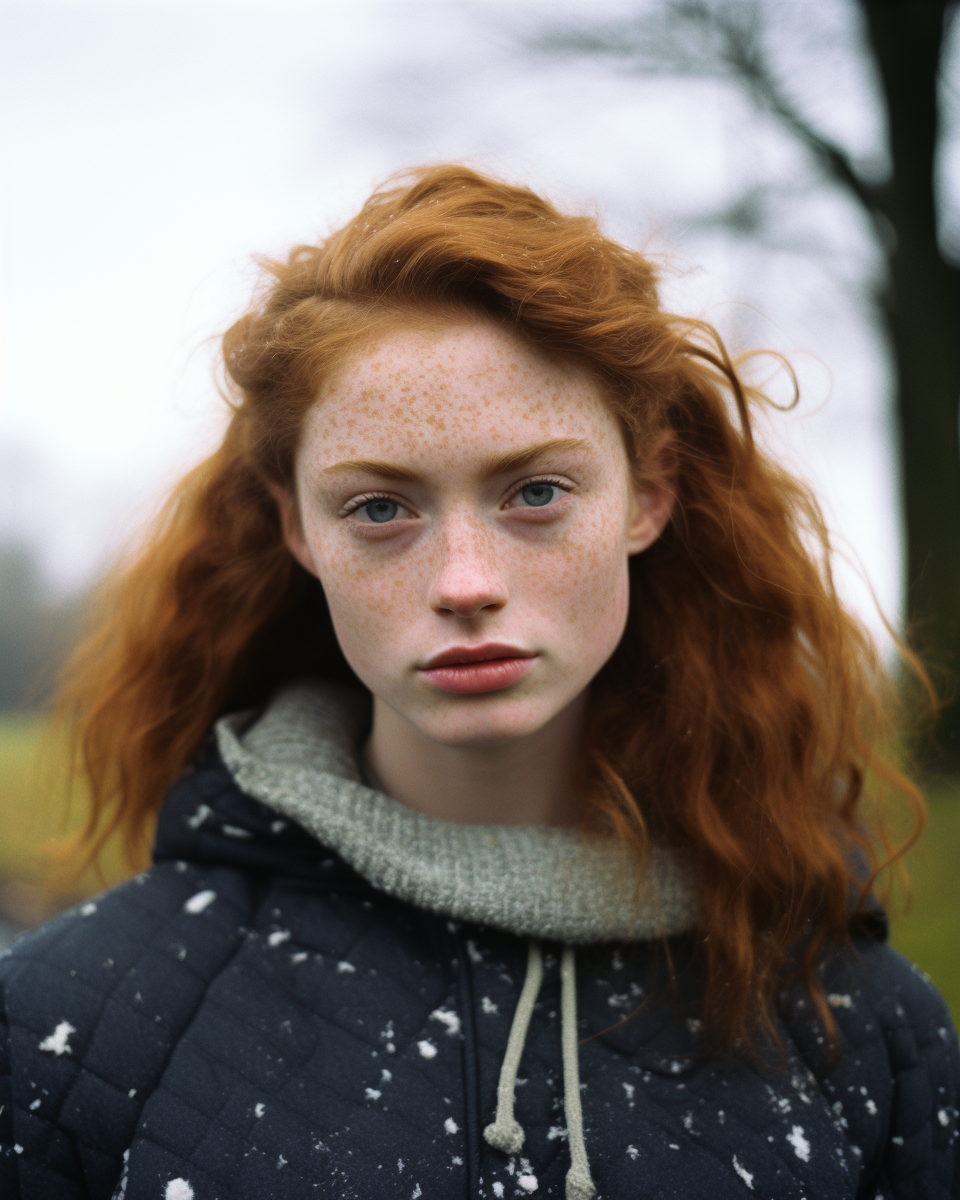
[918, 296]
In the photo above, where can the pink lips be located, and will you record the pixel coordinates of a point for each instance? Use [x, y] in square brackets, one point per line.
[485, 668]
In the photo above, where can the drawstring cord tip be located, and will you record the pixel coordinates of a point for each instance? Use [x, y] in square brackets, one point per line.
[504, 1135]
[579, 1185]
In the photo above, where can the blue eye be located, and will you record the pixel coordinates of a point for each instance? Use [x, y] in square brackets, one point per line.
[381, 511]
[538, 494]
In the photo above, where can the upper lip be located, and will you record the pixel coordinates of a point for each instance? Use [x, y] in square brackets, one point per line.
[469, 654]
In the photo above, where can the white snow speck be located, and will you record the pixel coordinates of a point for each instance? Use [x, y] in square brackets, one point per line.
[178, 1189]
[279, 937]
[235, 831]
[299, 957]
[943, 1116]
[346, 968]
[35, 1105]
[451, 1126]
[131, 1093]
[629, 1088]
[56, 1043]
[259, 1110]
[88, 910]
[416, 1193]
[556, 1131]
[871, 1108]
[373, 1094]
[281, 1161]
[386, 1075]
[195, 822]
[674, 1146]
[475, 955]
[745, 1175]
[498, 1189]
[447, 1017]
[488, 1006]
[198, 904]
[801, 1147]
[836, 1000]
[277, 826]
[400, 1165]
[427, 1048]
[633, 1152]
[17, 1149]
[527, 1182]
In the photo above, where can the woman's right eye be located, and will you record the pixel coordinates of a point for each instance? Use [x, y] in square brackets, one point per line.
[379, 510]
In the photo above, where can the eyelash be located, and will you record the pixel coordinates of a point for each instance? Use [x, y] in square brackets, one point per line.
[551, 479]
[359, 501]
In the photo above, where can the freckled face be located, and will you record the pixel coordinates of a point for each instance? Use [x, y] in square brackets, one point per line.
[456, 491]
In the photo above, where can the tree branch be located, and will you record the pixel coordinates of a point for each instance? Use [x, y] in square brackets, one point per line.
[690, 37]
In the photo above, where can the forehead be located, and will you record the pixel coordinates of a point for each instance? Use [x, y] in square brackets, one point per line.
[457, 388]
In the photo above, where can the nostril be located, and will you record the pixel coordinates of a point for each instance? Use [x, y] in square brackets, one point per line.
[468, 589]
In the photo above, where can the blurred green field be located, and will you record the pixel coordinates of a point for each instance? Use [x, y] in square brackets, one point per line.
[32, 811]
[929, 933]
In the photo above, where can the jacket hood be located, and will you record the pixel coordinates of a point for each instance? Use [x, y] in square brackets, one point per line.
[299, 757]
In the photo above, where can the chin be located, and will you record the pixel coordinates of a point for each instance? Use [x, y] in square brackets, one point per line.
[485, 721]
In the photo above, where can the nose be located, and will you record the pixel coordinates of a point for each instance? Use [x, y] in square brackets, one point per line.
[467, 580]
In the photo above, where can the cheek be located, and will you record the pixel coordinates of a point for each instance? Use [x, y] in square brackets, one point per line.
[593, 581]
[370, 608]
[599, 604]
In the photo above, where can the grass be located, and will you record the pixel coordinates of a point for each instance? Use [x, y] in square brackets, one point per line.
[929, 932]
[33, 811]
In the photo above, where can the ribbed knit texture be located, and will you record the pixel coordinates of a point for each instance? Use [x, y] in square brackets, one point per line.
[300, 758]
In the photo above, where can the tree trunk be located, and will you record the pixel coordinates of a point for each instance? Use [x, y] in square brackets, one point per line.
[921, 304]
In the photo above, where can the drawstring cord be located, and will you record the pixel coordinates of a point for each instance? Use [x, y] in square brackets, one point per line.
[579, 1184]
[506, 1132]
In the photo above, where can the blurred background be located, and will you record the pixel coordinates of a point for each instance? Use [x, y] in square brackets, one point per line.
[793, 165]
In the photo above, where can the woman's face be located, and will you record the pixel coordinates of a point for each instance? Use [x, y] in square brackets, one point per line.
[460, 496]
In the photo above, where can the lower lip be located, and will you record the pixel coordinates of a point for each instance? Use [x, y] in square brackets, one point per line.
[488, 676]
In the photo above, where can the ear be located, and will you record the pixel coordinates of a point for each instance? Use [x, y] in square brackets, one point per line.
[292, 526]
[654, 493]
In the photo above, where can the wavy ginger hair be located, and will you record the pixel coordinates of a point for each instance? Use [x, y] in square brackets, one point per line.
[742, 712]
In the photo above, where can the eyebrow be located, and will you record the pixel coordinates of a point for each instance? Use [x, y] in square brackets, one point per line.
[498, 464]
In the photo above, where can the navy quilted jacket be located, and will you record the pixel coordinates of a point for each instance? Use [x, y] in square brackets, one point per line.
[250, 1020]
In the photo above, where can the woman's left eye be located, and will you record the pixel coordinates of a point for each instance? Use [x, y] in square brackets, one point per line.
[537, 494]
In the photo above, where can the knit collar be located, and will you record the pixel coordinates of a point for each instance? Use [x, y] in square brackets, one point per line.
[300, 757]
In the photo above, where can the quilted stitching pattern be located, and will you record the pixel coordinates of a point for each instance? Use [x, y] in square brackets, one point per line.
[296, 1034]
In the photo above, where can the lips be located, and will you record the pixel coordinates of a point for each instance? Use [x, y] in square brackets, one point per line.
[472, 654]
[471, 669]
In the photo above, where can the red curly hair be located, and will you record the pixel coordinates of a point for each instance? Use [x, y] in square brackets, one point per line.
[744, 710]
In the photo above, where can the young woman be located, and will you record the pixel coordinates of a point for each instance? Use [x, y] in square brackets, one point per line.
[508, 748]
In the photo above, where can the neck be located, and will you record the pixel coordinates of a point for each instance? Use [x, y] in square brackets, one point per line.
[527, 781]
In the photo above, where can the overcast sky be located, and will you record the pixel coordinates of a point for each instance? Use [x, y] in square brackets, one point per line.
[149, 150]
